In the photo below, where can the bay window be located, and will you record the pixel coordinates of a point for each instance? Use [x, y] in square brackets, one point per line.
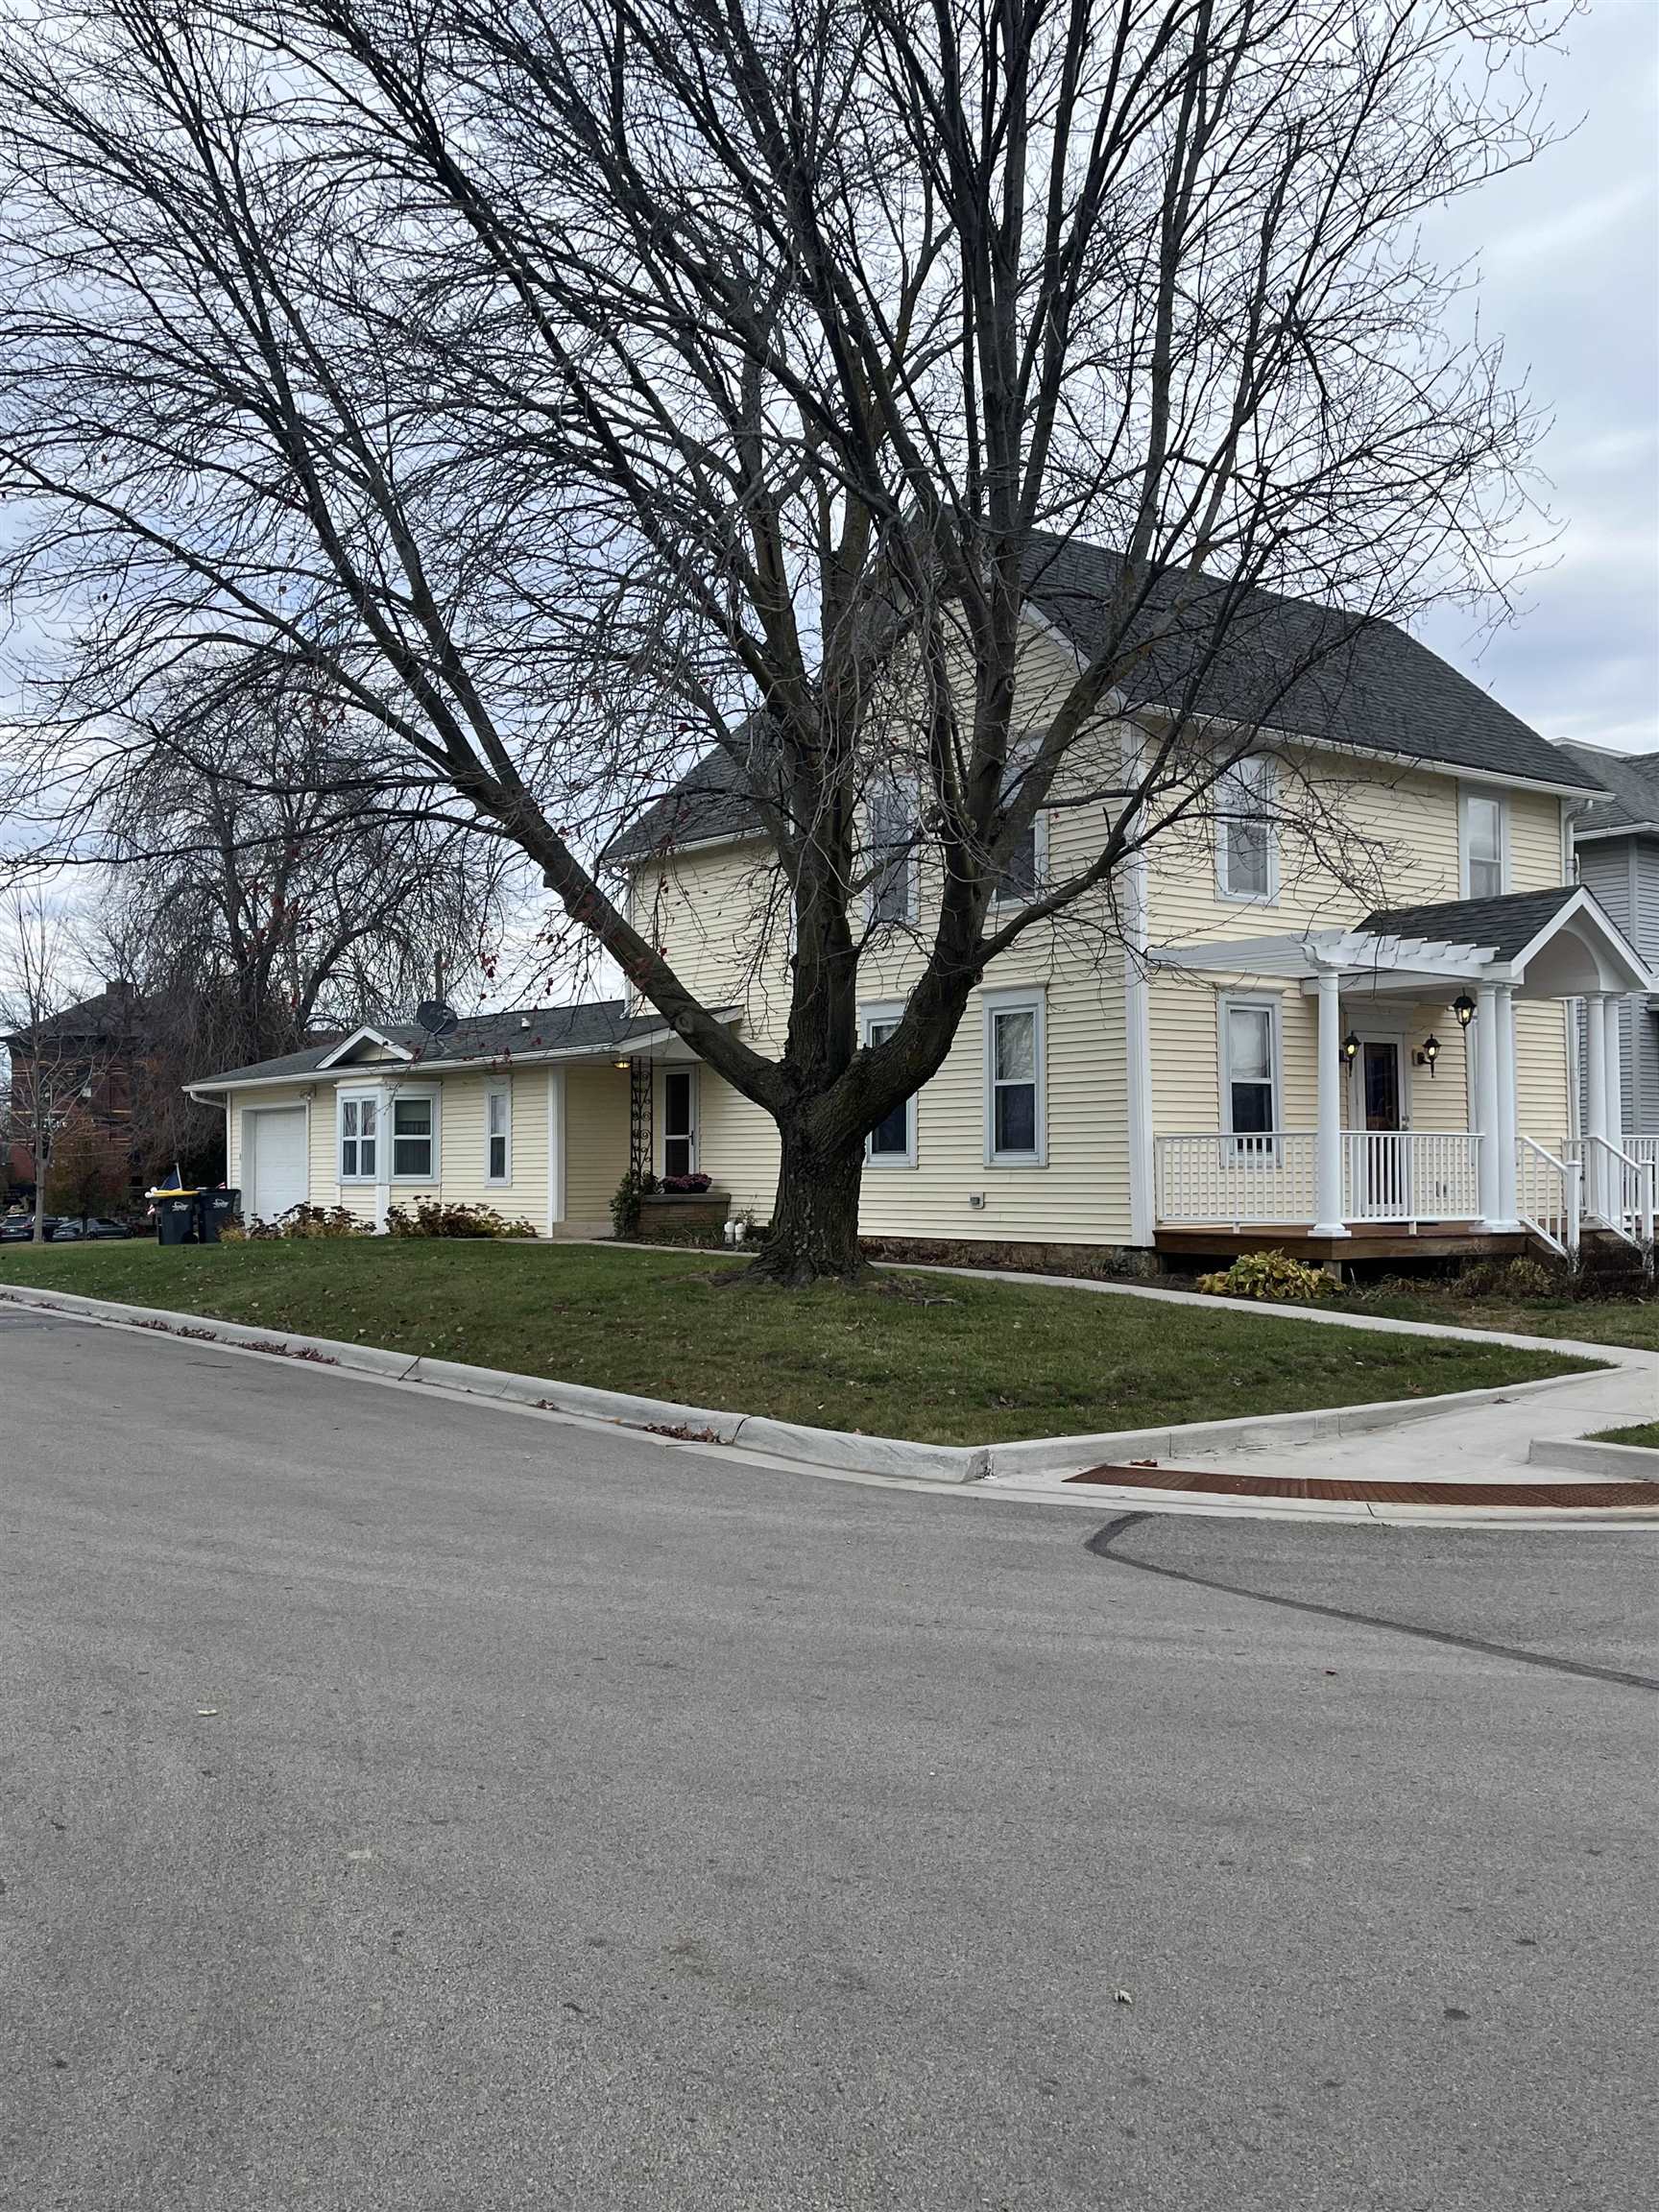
[358, 1138]
[415, 1137]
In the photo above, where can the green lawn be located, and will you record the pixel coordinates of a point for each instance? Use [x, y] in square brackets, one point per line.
[1633, 1321]
[939, 1359]
[1644, 1432]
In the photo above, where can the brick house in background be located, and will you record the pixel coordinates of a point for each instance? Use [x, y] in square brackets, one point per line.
[86, 1055]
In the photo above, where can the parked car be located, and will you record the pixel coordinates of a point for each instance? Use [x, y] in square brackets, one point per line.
[19, 1228]
[72, 1231]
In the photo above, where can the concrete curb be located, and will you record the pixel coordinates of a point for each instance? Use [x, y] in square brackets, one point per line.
[1584, 1455]
[836, 1448]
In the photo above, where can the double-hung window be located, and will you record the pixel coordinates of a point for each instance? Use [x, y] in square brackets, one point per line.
[359, 1133]
[1022, 871]
[1250, 1074]
[892, 1143]
[1486, 844]
[1016, 1134]
[1247, 832]
[890, 821]
[498, 1134]
[679, 1121]
[415, 1137]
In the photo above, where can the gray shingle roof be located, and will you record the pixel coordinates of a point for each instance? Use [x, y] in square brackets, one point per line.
[1291, 664]
[1509, 923]
[1632, 789]
[602, 1026]
[1286, 663]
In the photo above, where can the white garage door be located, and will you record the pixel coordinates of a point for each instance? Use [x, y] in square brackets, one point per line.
[274, 1166]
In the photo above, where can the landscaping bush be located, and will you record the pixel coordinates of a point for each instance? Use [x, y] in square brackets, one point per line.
[1517, 1278]
[445, 1217]
[311, 1222]
[625, 1203]
[1267, 1275]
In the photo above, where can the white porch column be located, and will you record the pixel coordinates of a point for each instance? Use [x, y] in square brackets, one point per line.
[1595, 1103]
[384, 1092]
[1327, 1158]
[1486, 1100]
[1508, 1121]
[1615, 1073]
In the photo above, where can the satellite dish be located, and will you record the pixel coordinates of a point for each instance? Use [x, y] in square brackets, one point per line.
[436, 1018]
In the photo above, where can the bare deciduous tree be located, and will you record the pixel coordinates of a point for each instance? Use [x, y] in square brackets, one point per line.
[271, 880]
[574, 385]
[57, 1063]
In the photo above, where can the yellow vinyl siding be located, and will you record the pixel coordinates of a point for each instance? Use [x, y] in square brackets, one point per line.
[595, 1146]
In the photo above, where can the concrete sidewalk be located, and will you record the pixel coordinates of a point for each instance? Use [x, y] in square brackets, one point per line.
[1486, 1443]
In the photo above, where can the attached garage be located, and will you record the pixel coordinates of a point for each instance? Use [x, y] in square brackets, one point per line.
[275, 1171]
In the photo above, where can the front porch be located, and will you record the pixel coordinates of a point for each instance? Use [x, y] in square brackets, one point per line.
[1362, 1183]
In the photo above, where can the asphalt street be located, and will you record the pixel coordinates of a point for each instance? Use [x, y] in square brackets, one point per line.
[419, 1804]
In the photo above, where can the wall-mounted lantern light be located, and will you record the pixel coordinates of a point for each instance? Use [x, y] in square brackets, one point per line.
[1464, 1006]
[1350, 1050]
[1429, 1053]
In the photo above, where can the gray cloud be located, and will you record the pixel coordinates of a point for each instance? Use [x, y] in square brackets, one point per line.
[1569, 255]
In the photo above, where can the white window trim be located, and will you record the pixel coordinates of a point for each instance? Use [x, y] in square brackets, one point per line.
[359, 1098]
[869, 1016]
[661, 1118]
[1466, 793]
[1261, 1001]
[1014, 1001]
[502, 1089]
[406, 1094]
[1005, 901]
[1267, 769]
[907, 789]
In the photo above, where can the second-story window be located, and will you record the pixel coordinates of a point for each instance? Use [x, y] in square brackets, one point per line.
[891, 819]
[1022, 878]
[1246, 836]
[1483, 846]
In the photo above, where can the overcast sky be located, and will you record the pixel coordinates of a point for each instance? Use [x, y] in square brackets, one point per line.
[1568, 250]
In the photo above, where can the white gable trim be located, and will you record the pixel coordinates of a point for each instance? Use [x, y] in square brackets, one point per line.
[339, 1053]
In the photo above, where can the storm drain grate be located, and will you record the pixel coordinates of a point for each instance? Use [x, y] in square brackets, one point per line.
[1556, 1495]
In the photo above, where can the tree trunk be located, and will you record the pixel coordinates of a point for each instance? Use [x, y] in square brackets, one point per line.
[814, 1232]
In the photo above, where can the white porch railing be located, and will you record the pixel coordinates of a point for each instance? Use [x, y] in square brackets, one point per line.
[1387, 1175]
[1547, 1196]
[1212, 1179]
[1410, 1175]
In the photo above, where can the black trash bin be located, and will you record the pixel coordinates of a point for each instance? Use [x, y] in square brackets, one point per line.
[175, 1217]
[213, 1209]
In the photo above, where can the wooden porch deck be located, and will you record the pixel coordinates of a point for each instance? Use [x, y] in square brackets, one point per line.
[1369, 1240]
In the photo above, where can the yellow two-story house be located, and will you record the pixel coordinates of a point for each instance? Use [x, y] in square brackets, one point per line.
[1231, 1050]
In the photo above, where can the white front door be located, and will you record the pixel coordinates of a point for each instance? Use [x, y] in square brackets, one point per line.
[276, 1173]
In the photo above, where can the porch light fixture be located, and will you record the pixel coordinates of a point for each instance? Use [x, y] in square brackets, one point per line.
[622, 1064]
[1429, 1053]
[1350, 1050]
[1464, 1006]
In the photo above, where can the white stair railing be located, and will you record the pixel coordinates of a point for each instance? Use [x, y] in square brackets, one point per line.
[1549, 1196]
[1623, 1189]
